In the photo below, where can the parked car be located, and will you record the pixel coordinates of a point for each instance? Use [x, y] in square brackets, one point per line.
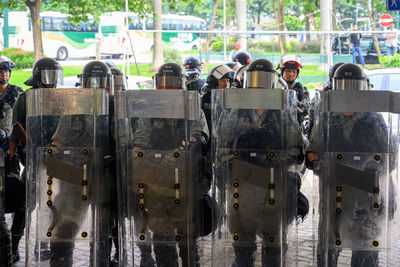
[384, 79]
[340, 46]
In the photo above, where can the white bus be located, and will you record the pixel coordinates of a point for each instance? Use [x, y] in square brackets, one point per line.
[182, 41]
[114, 31]
[61, 38]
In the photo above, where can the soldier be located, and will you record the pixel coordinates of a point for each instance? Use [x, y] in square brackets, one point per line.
[46, 73]
[15, 189]
[192, 66]
[256, 145]
[349, 152]
[169, 186]
[81, 133]
[290, 69]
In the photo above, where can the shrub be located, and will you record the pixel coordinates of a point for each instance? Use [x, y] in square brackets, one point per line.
[390, 61]
[22, 59]
[218, 46]
[172, 55]
[263, 47]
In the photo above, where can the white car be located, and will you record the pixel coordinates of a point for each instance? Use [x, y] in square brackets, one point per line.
[384, 79]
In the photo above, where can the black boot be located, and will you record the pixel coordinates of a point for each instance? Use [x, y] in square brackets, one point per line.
[189, 255]
[14, 247]
[166, 255]
[271, 256]
[146, 259]
[61, 254]
[244, 256]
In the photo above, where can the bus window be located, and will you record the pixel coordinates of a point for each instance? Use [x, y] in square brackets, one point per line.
[46, 26]
[58, 24]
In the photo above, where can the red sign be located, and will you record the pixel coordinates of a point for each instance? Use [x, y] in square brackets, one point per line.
[385, 20]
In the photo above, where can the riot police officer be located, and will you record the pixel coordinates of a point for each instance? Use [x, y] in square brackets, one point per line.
[290, 66]
[350, 149]
[243, 57]
[15, 189]
[170, 212]
[82, 131]
[329, 84]
[46, 73]
[193, 66]
[259, 192]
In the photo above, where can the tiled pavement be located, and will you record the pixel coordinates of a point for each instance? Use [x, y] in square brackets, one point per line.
[305, 236]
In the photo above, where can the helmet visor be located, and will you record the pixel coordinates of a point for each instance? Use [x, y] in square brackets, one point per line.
[52, 77]
[261, 79]
[167, 82]
[99, 82]
[350, 84]
[120, 83]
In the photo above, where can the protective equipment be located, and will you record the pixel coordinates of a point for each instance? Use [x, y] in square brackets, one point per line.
[46, 72]
[110, 64]
[169, 76]
[162, 173]
[6, 64]
[290, 62]
[261, 74]
[69, 181]
[120, 80]
[97, 74]
[219, 72]
[235, 66]
[333, 69]
[329, 84]
[192, 65]
[243, 57]
[349, 76]
[353, 154]
[257, 139]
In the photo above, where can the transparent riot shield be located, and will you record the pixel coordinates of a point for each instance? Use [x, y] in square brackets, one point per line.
[159, 133]
[357, 162]
[67, 184]
[258, 150]
[5, 242]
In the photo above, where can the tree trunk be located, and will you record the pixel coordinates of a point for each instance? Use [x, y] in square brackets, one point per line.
[308, 29]
[158, 57]
[210, 28]
[334, 22]
[280, 21]
[371, 15]
[34, 8]
[241, 15]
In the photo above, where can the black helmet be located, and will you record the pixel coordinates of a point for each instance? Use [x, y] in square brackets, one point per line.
[120, 83]
[192, 65]
[235, 66]
[6, 64]
[349, 76]
[261, 73]
[333, 68]
[46, 72]
[243, 57]
[110, 64]
[169, 76]
[219, 72]
[96, 74]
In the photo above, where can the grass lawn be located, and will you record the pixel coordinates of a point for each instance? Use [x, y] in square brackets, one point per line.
[18, 77]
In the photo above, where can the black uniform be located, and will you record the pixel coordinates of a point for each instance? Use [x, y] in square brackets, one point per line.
[195, 84]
